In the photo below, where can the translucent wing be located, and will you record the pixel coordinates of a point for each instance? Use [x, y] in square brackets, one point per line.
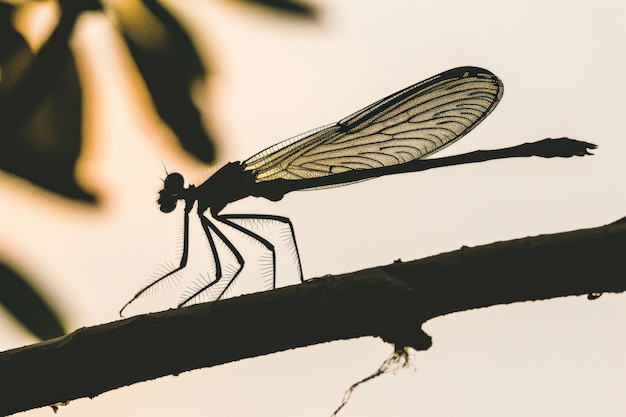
[408, 125]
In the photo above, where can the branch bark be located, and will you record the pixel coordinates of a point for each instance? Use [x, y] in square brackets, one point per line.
[390, 302]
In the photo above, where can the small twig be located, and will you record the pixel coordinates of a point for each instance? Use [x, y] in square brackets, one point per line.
[399, 359]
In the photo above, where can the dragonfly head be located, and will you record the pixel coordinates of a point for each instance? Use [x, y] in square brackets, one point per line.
[172, 191]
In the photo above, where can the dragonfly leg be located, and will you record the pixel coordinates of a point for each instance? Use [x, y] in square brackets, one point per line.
[290, 236]
[183, 263]
[209, 228]
[226, 220]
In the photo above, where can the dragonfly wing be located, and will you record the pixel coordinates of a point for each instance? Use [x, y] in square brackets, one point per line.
[410, 124]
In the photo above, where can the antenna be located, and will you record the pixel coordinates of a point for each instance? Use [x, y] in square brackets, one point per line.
[165, 168]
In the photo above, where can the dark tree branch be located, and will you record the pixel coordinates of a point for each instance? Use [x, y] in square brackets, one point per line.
[390, 302]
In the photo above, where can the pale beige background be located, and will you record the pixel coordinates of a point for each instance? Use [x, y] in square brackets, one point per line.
[563, 69]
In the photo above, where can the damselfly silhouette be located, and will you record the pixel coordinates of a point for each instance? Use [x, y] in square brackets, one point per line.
[390, 136]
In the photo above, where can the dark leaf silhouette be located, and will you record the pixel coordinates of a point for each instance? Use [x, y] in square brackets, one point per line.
[40, 110]
[27, 305]
[169, 63]
[293, 8]
[40, 95]
[14, 51]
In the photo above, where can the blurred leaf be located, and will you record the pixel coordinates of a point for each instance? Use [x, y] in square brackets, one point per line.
[28, 307]
[14, 51]
[41, 111]
[169, 64]
[45, 148]
[74, 7]
[293, 8]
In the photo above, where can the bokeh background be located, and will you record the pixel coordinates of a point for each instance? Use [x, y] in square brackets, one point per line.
[272, 77]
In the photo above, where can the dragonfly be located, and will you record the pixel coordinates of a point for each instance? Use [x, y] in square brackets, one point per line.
[384, 138]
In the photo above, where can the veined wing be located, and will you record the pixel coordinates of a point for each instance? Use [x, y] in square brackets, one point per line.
[410, 124]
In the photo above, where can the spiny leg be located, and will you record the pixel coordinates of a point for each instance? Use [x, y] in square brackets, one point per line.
[183, 263]
[187, 297]
[279, 219]
[209, 227]
[226, 220]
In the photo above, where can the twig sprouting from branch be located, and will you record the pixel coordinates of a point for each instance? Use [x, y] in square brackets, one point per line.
[397, 360]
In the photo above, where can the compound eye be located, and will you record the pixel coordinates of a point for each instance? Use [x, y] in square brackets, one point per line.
[174, 181]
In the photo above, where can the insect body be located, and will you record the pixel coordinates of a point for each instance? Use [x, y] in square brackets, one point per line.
[383, 138]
